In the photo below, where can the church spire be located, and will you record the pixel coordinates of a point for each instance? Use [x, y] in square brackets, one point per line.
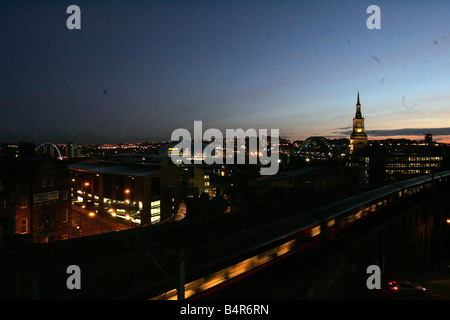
[358, 139]
[358, 114]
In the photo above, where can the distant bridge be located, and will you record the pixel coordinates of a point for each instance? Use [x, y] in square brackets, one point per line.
[51, 144]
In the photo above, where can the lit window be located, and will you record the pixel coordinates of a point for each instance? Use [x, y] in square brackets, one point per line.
[24, 225]
[155, 211]
[315, 231]
[65, 216]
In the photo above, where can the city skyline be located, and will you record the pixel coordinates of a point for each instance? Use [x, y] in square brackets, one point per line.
[137, 71]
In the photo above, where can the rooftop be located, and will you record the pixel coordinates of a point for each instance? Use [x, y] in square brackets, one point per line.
[118, 168]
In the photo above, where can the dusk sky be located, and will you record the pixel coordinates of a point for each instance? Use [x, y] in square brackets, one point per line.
[138, 70]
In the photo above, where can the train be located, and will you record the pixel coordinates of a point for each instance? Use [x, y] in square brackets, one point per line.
[322, 225]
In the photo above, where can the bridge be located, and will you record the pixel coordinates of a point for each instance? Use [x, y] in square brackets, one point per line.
[196, 259]
[60, 157]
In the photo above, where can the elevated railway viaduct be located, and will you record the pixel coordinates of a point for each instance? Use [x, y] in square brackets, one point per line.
[193, 259]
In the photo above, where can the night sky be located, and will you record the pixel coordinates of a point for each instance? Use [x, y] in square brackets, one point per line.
[137, 70]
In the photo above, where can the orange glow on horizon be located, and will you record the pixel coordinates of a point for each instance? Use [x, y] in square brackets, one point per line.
[436, 138]
[440, 139]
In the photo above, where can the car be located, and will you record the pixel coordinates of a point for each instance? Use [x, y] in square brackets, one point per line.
[406, 288]
[80, 204]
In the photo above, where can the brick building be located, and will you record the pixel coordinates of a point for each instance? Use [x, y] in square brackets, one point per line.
[35, 194]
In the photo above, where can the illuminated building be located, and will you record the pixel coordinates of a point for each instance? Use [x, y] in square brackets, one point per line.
[369, 164]
[380, 163]
[144, 193]
[358, 138]
[198, 177]
[188, 154]
[72, 150]
[405, 165]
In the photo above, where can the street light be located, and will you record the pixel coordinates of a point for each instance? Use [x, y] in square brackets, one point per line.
[112, 212]
[128, 202]
[86, 184]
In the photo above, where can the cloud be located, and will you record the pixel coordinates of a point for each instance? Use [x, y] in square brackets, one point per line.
[401, 132]
[408, 107]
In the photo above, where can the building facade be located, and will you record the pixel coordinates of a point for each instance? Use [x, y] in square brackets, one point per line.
[378, 164]
[35, 196]
[144, 193]
[400, 166]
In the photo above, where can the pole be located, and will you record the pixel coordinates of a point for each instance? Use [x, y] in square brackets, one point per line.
[181, 275]
[31, 211]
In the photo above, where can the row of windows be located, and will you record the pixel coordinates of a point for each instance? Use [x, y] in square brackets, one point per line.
[23, 201]
[414, 159]
[24, 222]
[230, 272]
[47, 182]
[352, 217]
[412, 164]
[408, 171]
[361, 213]
[118, 185]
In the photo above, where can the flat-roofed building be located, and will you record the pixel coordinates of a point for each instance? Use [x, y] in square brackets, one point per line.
[405, 165]
[144, 193]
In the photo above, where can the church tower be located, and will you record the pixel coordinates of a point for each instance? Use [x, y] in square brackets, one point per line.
[358, 138]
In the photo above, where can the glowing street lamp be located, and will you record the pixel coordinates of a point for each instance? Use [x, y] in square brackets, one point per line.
[128, 202]
[112, 212]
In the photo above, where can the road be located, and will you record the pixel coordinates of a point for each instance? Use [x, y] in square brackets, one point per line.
[97, 224]
[437, 286]
[286, 282]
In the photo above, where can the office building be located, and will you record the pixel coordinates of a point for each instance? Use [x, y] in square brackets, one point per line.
[144, 193]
